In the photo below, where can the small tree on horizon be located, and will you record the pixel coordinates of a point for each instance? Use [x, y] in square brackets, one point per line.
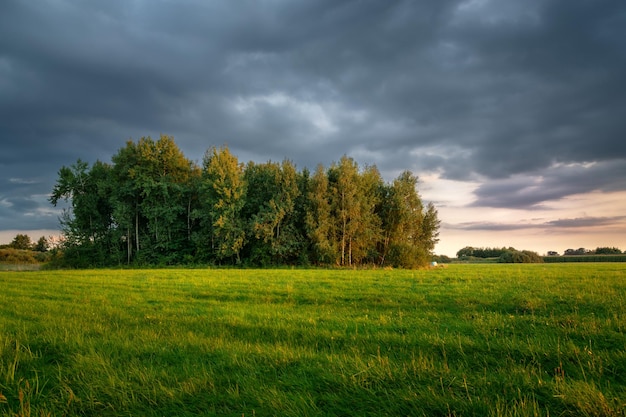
[21, 241]
[41, 245]
[607, 251]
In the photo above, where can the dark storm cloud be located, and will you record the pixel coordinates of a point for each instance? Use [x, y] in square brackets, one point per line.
[550, 184]
[23, 204]
[512, 93]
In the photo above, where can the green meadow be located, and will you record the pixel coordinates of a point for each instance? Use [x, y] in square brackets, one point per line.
[466, 340]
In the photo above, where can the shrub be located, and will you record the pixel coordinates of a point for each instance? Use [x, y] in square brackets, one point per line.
[522, 257]
[17, 256]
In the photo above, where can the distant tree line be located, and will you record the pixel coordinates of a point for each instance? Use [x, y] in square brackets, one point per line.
[597, 251]
[600, 254]
[23, 242]
[469, 251]
[153, 206]
[22, 251]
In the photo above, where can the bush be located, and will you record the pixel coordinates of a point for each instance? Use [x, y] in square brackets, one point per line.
[17, 256]
[520, 257]
[442, 259]
[407, 257]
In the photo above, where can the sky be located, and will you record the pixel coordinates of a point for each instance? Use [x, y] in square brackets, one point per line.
[512, 113]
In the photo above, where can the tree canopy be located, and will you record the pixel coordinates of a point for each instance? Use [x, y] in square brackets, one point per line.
[153, 206]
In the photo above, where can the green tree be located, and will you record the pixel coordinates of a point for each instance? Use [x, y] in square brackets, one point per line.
[368, 232]
[410, 232]
[42, 245]
[465, 252]
[162, 174]
[273, 189]
[90, 216]
[344, 187]
[152, 199]
[608, 251]
[222, 197]
[301, 206]
[318, 219]
[524, 256]
[429, 233]
[21, 241]
[88, 224]
[127, 197]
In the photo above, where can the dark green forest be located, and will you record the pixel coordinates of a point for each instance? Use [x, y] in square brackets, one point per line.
[153, 206]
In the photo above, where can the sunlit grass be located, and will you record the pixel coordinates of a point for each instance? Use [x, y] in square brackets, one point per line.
[510, 340]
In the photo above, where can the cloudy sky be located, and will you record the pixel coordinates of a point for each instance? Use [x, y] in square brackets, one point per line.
[512, 113]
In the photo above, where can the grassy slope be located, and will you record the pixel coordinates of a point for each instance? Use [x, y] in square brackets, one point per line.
[515, 340]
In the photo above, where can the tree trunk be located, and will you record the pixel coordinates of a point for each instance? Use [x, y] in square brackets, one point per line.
[137, 229]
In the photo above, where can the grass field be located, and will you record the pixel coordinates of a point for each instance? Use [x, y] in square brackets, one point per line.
[466, 340]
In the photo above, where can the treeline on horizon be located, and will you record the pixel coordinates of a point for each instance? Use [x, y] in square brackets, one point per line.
[470, 251]
[153, 206]
[512, 255]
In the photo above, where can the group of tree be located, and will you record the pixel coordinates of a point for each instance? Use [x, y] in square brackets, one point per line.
[597, 251]
[23, 242]
[22, 251]
[470, 251]
[503, 255]
[513, 256]
[151, 205]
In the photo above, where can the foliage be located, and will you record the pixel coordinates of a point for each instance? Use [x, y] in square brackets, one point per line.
[607, 251]
[222, 193]
[153, 206]
[18, 256]
[21, 242]
[585, 258]
[520, 257]
[42, 245]
[470, 251]
[574, 252]
[270, 207]
[467, 340]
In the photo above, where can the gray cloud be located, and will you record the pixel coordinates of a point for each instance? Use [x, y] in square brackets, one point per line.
[581, 222]
[532, 191]
[587, 222]
[520, 95]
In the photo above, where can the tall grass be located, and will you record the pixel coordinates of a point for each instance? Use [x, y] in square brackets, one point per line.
[500, 340]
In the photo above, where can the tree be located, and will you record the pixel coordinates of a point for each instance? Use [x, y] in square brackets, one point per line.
[608, 251]
[482, 252]
[90, 216]
[162, 174]
[368, 230]
[524, 256]
[222, 197]
[270, 206]
[152, 199]
[22, 242]
[409, 232]
[465, 252]
[318, 219]
[127, 197]
[42, 245]
[579, 251]
[344, 182]
[88, 225]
